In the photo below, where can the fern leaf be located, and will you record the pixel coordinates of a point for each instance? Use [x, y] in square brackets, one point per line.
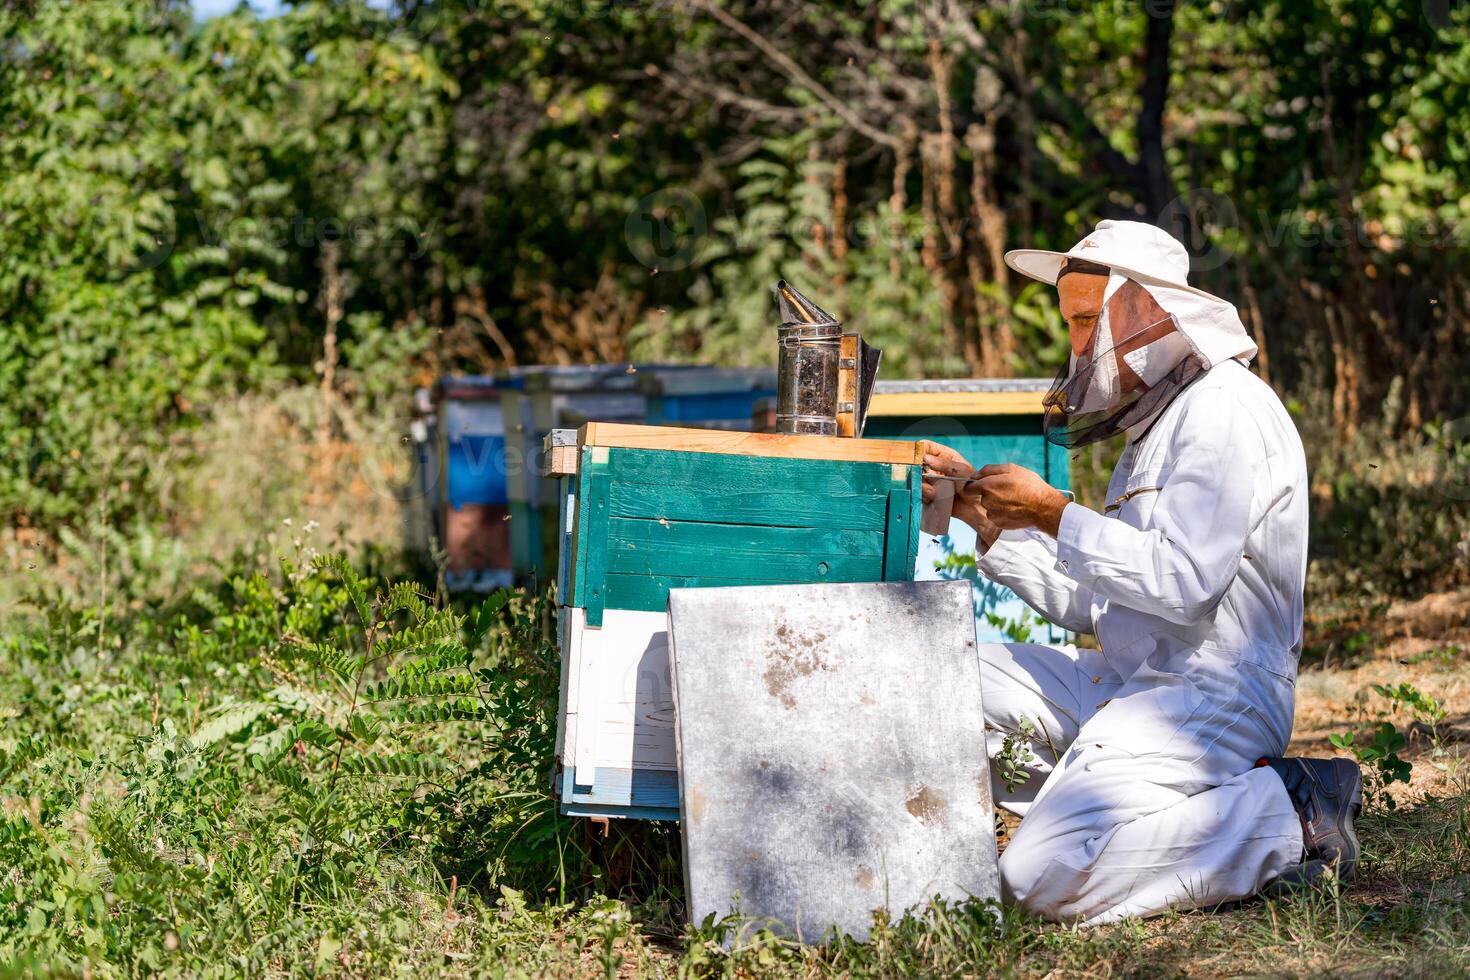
[292, 779]
[365, 729]
[462, 709]
[329, 657]
[229, 720]
[420, 686]
[439, 627]
[403, 596]
[434, 659]
[398, 764]
[314, 733]
[351, 581]
[120, 848]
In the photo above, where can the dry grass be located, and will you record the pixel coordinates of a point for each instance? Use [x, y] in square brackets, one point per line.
[240, 488]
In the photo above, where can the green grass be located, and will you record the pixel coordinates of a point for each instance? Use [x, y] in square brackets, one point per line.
[309, 772]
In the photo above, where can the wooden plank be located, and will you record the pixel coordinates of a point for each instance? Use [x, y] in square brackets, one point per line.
[926, 403]
[566, 496]
[645, 794]
[892, 387]
[598, 514]
[720, 538]
[745, 505]
[916, 513]
[897, 566]
[559, 461]
[586, 645]
[565, 696]
[748, 443]
[650, 592]
[698, 470]
[916, 509]
[847, 384]
[750, 562]
[576, 587]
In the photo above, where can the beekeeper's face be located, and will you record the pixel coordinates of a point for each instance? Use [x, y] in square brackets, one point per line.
[1080, 297]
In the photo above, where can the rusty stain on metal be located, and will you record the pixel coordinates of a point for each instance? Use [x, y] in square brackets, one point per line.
[927, 805]
[793, 655]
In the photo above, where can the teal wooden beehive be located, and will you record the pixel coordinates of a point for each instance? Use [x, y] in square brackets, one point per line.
[647, 509]
[989, 421]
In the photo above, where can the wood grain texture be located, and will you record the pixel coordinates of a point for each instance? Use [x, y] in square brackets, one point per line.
[647, 592]
[747, 443]
[721, 538]
[697, 471]
[749, 563]
[896, 564]
[747, 504]
[927, 403]
[577, 549]
[847, 384]
[598, 493]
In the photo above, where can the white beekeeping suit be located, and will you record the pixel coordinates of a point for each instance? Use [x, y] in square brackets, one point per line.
[1144, 793]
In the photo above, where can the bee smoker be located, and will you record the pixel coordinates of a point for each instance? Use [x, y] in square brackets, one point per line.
[824, 377]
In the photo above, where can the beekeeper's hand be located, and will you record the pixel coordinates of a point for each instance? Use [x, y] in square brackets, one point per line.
[943, 459]
[1014, 497]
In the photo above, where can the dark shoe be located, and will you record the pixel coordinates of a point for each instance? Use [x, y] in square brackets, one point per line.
[1308, 874]
[1328, 795]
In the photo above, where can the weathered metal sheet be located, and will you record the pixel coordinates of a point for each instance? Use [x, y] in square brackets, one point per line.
[831, 752]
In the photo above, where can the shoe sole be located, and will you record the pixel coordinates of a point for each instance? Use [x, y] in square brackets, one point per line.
[1347, 858]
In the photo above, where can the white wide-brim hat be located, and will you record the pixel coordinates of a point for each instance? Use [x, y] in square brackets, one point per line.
[1135, 249]
[1157, 261]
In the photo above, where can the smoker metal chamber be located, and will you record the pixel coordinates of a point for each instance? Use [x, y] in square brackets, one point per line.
[806, 378]
[824, 377]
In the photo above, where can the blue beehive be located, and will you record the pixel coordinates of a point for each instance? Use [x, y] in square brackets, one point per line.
[706, 398]
[473, 488]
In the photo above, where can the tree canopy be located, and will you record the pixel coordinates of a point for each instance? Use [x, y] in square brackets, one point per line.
[190, 209]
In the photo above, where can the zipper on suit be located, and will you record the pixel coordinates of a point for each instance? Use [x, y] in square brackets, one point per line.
[1118, 504]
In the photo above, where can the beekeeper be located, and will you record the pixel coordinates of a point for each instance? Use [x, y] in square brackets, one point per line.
[1156, 777]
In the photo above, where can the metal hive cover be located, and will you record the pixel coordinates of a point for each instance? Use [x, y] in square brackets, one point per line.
[831, 753]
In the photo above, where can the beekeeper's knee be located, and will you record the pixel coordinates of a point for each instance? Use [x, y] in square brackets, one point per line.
[1022, 869]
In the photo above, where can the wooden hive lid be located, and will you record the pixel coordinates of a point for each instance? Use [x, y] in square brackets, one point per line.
[626, 436]
[963, 396]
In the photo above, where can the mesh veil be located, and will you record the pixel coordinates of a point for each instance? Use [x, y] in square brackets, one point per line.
[1137, 361]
